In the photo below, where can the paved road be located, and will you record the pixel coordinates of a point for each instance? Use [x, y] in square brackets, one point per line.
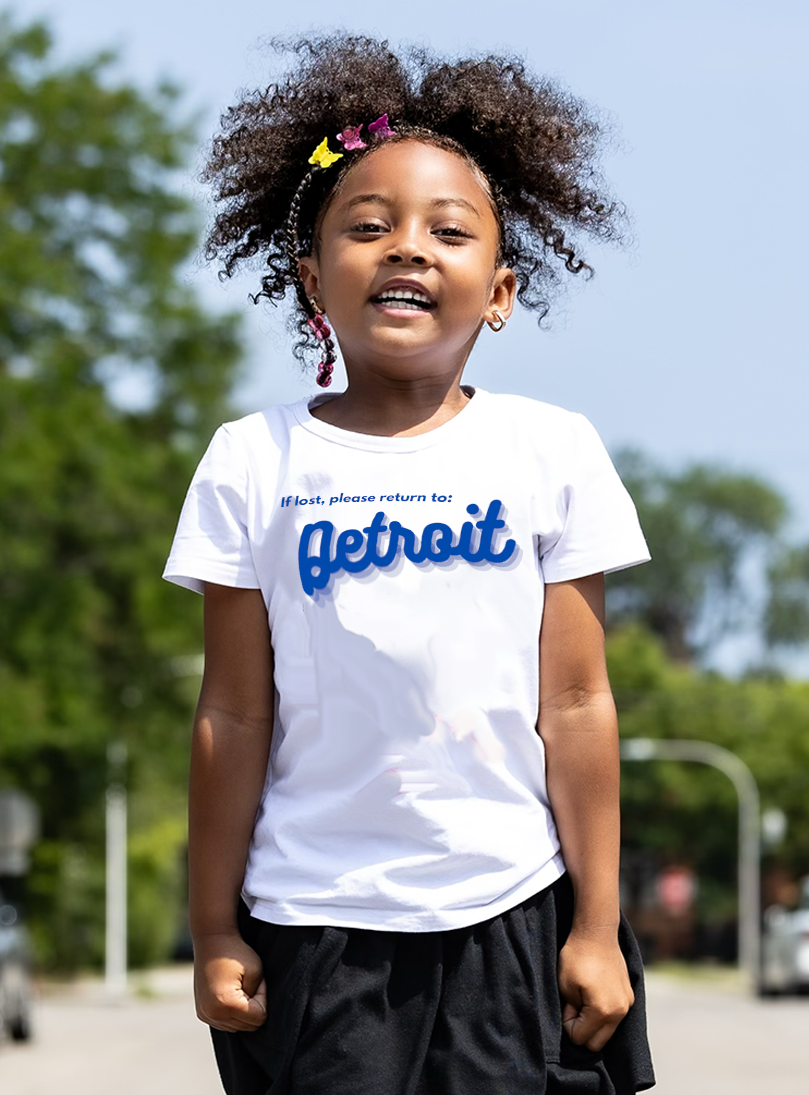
[714, 1040]
[707, 1039]
[150, 1045]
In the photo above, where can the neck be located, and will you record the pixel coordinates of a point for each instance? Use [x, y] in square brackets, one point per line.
[392, 407]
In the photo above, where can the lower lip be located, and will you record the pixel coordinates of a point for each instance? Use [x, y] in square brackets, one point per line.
[408, 313]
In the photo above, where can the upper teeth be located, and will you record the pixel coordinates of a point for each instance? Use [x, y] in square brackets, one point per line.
[405, 294]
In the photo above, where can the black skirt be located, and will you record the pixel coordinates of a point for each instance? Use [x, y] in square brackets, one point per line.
[469, 1011]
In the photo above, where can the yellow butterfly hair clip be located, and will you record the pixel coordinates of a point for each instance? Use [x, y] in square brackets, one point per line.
[323, 156]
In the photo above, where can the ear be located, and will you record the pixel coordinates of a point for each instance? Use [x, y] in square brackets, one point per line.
[504, 291]
[310, 276]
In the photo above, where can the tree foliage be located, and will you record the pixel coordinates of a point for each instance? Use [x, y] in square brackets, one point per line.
[787, 615]
[92, 294]
[720, 559]
[681, 812]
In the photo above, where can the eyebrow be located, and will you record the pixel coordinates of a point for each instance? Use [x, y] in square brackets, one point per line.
[436, 203]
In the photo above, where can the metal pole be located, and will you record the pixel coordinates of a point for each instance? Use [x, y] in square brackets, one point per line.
[116, 926]
[736, 770]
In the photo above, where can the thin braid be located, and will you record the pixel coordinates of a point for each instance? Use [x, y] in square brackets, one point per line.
[292, 244]
[326, 367]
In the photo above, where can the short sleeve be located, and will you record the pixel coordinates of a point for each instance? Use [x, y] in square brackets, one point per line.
[212, 542]
[599, 527]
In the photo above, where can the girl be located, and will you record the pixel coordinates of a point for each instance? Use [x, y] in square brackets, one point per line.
[405, 752]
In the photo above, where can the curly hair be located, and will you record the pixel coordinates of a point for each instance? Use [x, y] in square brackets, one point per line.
[535, 144]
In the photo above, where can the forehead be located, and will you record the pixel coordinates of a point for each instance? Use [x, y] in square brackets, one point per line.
[416, 171]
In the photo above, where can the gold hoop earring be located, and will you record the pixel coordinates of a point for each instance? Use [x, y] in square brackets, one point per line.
[500, 322]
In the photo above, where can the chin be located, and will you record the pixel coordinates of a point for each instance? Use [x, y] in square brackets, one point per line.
[402, 345]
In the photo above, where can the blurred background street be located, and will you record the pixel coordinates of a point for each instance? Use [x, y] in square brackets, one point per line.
[149, 1044]
[121, 352]
[708, 1038]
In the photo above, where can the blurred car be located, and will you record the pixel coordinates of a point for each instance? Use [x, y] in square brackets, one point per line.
[15, 975]
[785, 948]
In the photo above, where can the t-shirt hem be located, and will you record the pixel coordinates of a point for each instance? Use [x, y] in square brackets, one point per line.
[423, 920]
[585, 567]
[195, 579]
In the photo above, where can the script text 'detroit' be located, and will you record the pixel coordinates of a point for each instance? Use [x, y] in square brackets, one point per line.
[321, 555]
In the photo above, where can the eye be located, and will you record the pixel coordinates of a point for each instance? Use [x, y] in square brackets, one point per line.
[368, 227]
[452, 232]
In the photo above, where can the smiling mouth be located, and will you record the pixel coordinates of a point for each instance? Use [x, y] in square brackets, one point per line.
[404, 300]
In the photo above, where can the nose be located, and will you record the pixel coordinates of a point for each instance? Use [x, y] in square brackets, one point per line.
[405, 248]
[401, 256]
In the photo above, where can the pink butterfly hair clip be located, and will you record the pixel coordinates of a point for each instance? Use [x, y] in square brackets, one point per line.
[350, 138]
[380, 127]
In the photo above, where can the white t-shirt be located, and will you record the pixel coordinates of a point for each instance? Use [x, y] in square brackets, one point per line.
[404, 583]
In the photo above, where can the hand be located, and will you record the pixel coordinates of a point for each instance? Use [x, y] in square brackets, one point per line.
[229, 986]
[594, 985]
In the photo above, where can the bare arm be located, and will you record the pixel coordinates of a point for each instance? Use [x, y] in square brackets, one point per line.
[579, 728]
[229, 752]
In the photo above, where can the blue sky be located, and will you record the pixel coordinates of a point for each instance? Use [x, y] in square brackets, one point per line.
[689, 345]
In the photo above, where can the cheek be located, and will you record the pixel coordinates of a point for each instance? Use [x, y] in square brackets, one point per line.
[474, 283]
[346, 278]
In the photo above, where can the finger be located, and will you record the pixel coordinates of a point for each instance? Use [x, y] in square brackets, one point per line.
[576, 1030]
[234, 1022]
[593, 1028]
[259, 1000]
[584, 1027]
[257, 1007]
[232, 1028]
[598, 1040]
[252, 977]
[240, 1012]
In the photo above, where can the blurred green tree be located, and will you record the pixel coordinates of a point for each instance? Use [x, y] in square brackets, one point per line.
[688, 813]
[721, 560]
[787, 614]
[93, 296]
